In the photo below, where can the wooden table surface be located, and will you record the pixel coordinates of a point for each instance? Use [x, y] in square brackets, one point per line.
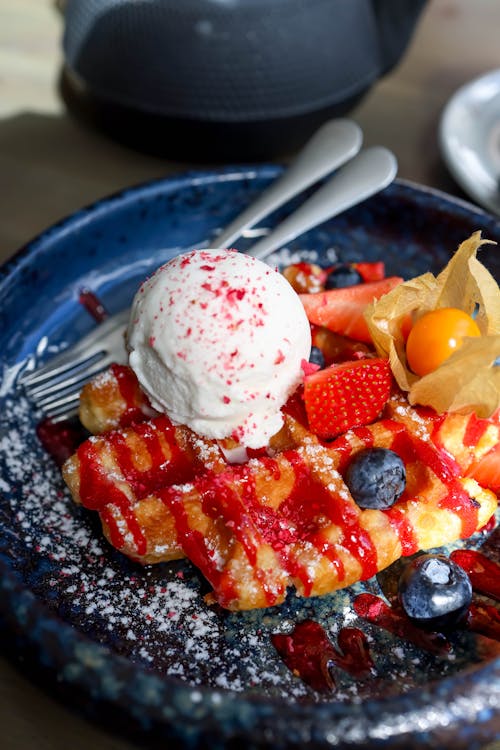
[50, 165]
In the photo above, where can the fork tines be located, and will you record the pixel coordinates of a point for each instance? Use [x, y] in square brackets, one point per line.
[60, 392]
[54, 388]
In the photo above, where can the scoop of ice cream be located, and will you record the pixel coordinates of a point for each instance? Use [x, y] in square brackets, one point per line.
[216, 339]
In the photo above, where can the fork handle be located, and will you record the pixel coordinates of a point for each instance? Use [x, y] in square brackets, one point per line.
[370, 171]
[332, 145]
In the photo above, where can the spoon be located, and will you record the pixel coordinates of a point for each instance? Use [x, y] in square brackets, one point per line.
[332, 145]
[370, 171]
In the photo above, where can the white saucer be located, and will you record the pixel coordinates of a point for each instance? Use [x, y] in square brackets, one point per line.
[470, 139]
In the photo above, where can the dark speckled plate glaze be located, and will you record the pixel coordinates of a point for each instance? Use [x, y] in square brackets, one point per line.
[136, 647]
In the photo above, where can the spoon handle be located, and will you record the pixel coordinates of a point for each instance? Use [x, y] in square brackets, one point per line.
[333, 144]
[370, 171]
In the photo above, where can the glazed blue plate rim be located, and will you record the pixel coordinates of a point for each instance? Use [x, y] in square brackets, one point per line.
[131, 194]
[166, 704]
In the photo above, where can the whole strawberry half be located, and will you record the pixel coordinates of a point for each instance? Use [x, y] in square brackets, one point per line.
[347, 395]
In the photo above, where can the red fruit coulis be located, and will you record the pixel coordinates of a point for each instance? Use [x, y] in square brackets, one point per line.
[93, 305]
[375, 610]
[135, 400]
[170, 464]
[484, 574]
[60, 439]
[309, 653]
[253, 524]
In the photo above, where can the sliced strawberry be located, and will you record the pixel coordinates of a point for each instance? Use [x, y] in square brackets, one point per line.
[347, 395]
[372, 271]
[486, 471]
[341, 310]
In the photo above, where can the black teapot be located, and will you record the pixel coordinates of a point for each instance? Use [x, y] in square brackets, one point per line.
[226, 79]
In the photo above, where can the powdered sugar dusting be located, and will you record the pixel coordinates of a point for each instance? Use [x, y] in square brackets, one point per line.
[155, 615]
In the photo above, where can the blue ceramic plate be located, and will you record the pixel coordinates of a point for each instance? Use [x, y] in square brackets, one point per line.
[137, 647]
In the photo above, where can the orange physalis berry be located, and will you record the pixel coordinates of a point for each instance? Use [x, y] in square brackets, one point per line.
[435, 336]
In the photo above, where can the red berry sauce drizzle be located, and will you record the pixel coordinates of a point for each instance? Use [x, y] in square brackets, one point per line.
[61, 438]
[484, 576]
[93, 305]
[390, 617]
[307, 650]
[309, 653]
[171, 465]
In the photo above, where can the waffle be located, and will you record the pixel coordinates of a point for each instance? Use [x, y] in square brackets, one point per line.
[119, 474]
[287, 519]
[113, 399]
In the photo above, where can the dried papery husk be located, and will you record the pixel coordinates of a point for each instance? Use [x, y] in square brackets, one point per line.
[468, 380]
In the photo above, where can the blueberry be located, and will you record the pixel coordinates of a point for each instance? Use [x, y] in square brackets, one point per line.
[434, 592]
[316, 356]
[341, 276]
[376, 477]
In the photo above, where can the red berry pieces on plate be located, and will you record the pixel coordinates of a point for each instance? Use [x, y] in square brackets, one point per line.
[305, 277]
[347, 395]
[371, 271]
[342, 310]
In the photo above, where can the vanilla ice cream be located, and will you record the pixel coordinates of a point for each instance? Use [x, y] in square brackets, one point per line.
[216, 339]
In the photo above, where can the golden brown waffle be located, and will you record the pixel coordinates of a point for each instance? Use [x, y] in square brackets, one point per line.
[113, 399]
[257, 528]
[119, 473]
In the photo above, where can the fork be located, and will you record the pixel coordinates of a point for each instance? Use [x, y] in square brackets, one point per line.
[55, 387]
